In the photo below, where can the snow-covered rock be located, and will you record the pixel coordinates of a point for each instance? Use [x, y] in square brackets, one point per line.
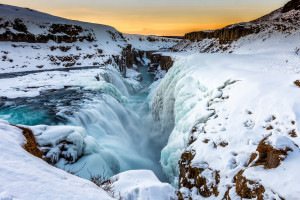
[141, 185]
[221, 107]
[24, 176]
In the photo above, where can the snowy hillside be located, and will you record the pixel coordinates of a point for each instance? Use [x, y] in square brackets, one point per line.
[277, 30]
[31, 40]
[234, 114]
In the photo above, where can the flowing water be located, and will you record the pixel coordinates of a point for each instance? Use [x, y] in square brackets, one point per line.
[128, 137]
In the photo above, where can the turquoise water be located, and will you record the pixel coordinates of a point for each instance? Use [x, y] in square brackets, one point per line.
[39, 110]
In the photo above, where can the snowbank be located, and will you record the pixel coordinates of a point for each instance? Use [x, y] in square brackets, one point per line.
[24, 176]
[140, 185]
[107, 80]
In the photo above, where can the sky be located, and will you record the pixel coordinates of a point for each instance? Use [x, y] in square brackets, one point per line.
[155, 17]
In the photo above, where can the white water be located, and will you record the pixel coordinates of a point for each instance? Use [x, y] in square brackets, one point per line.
[126, 134]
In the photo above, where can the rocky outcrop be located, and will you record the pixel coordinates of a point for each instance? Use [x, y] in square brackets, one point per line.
[157, 59]
[291, 5]
[269, 156]
[248, 189]
[16, 31]
[195, 177]
[166, 63]
[126, 60]
[225, 35]
[275, 21]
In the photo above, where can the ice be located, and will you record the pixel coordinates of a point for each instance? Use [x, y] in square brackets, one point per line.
[24, 176]
[229, 103]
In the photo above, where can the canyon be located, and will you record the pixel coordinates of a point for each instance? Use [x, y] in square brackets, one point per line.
[108, 115]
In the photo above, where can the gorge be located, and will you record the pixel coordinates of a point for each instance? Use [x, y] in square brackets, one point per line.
[121, 116]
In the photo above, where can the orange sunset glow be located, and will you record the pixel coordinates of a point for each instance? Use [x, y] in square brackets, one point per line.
[173, 18]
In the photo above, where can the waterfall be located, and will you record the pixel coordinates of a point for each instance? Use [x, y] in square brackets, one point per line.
[127, 136]
[118, 134]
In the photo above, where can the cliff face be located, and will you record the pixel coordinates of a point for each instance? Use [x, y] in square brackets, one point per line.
[224, 35]
[157, 59]
[17, 31]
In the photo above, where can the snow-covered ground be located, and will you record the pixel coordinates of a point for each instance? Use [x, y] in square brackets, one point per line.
[65, 43]
[221, 107]
[106, 79]
[24, 176]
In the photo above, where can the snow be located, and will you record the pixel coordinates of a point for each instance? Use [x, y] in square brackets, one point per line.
[110, 81]
[44, 181]
[140, 185]
[150, 42]
[64, 142]
[226, 102]
[215, 93]
[24, 176]
[108, 42]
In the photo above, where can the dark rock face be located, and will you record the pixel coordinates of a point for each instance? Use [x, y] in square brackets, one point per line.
[19, 26]
[57, 32]
[191, 177]
[126, 59]
[225, 35]
[243, 190]
[165, 62]
[291, 5]
[71, 30]
[270, 157]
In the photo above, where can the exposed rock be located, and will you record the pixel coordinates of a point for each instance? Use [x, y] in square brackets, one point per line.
[243, 190]
[191, 177]
[297, 83]
[57, 32]
[30, 38]
[19, 25]
[225, 35]
[126, 59]
[291, 5]
[71, 30]
[165, 62]
[31, 145]
[270, 157]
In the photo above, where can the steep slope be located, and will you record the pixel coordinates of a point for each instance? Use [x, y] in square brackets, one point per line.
[32, 40]
[282, 24]
[236, 124]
